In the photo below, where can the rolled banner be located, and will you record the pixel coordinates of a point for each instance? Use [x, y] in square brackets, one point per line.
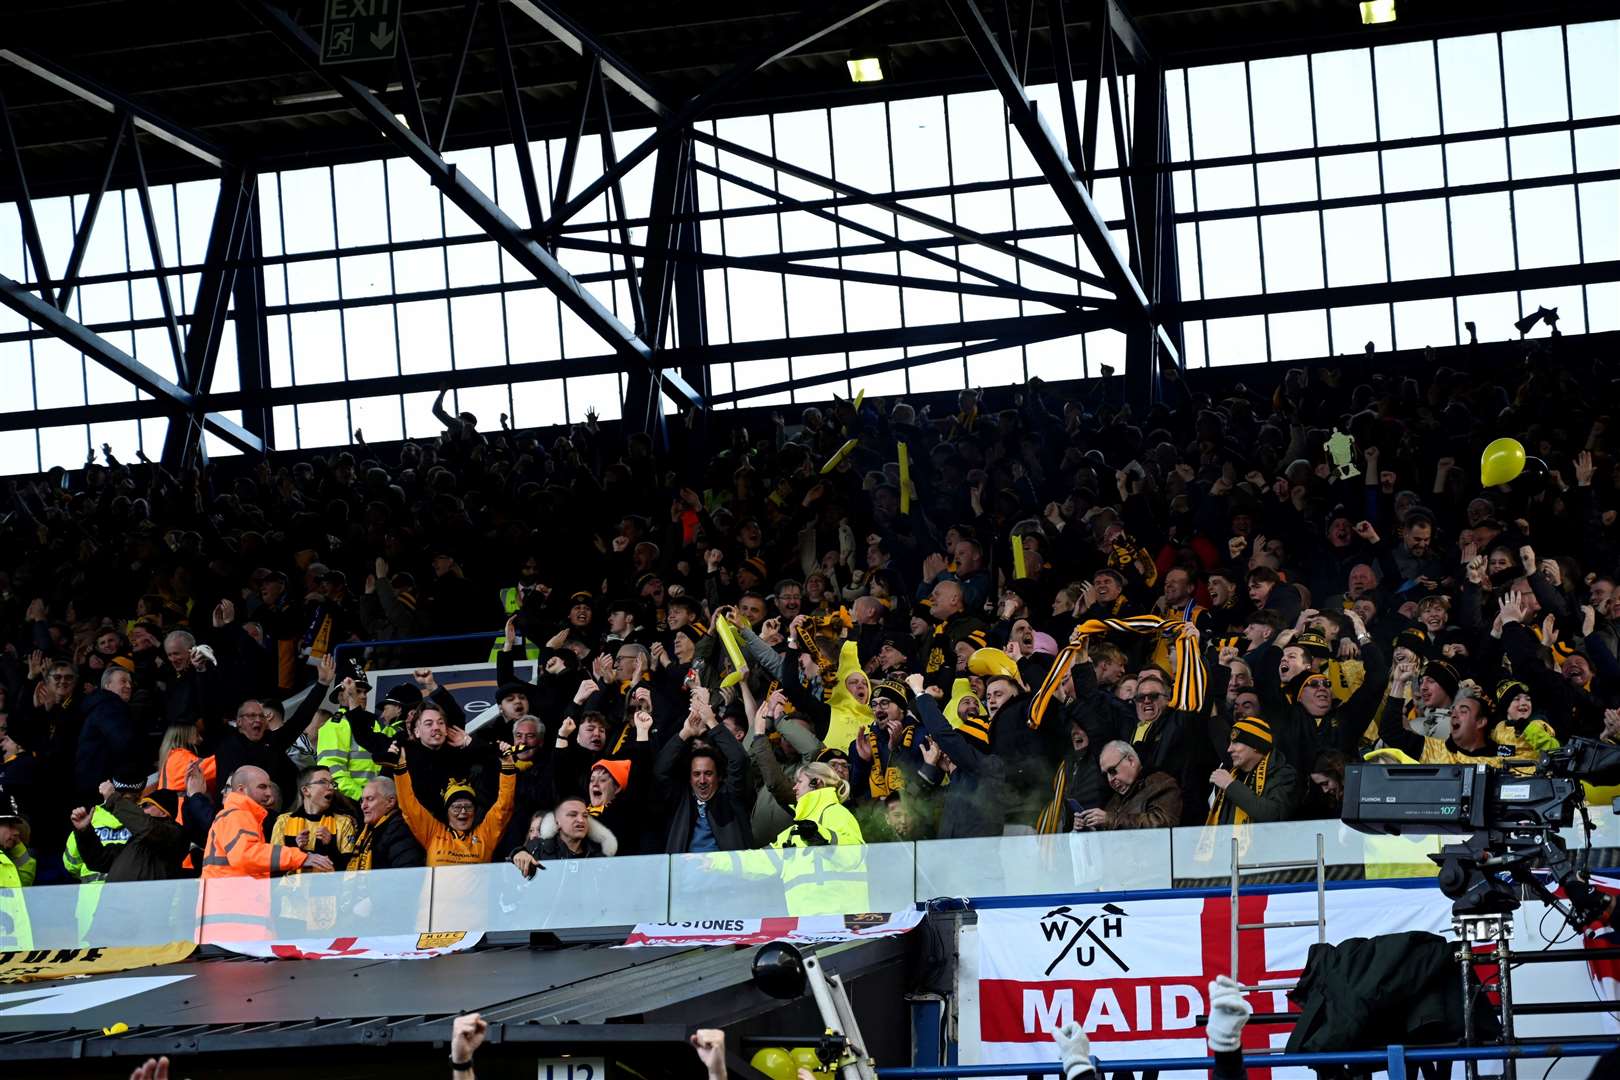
[905, 479]
[843, 452]
[1018, 556]
[728, 638]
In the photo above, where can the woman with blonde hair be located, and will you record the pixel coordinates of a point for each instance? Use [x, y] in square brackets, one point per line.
[822, 853]
[178, 753]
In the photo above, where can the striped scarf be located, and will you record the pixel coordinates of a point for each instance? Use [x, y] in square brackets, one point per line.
[1190, 676]
[1240, 817]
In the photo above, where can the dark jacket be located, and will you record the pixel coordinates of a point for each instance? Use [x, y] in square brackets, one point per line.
[727, 811]
[971, 803]
[107, 742]
[1365, 993]
[388, 845]
[156, 846]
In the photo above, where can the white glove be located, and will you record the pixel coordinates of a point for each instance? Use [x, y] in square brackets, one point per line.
[1228, 1012]
[1074, 1050]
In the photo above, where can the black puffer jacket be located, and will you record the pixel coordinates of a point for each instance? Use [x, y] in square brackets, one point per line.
[156, 846]
[388, 845]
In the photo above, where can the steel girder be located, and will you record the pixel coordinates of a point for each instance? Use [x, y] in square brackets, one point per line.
[478, 207]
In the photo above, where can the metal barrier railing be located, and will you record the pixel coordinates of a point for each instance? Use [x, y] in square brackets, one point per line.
[1395, 1059]
[433, 639]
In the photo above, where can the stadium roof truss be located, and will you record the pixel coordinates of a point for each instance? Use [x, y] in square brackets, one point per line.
[664, 345]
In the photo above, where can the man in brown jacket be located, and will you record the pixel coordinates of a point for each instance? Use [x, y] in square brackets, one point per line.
[1150, 801]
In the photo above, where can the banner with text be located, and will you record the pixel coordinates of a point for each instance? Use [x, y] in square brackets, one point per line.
[800, 930]
[380, 947]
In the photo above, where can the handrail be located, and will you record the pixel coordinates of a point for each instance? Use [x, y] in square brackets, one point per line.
[1395, 1059]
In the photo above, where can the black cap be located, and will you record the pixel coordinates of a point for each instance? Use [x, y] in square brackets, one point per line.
[511, 689]
[334, 577]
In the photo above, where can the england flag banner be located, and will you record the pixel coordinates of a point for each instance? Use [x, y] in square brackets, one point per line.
[1136, 973]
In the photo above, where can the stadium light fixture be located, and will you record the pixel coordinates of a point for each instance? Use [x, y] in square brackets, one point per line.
[864, 69]
[1374, 12]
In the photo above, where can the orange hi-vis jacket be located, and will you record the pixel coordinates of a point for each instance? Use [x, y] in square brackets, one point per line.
[449, 847]
[237, 864]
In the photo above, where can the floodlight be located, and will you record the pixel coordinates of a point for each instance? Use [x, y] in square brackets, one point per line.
[864, 69]
[1377, 11]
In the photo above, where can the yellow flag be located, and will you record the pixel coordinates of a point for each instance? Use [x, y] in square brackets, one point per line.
[905, 479]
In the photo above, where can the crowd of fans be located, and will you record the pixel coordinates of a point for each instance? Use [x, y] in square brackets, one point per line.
[1034, 612]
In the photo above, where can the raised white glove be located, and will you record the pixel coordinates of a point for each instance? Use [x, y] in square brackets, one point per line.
[1228, 1012]
[1074, 1050]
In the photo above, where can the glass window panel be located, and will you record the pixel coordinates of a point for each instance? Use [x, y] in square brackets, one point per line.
[216, 446]
[1349, 175]
[1598, 148]
[1231, 257]
[1057, 359]
[1293, 246]
[1540, 155]
[1481, 234]
[486, 403]
[474, 264]
[1355, 246]
[538, 404]
[1418, 247]
[1175, 96]
[424, 337]
[813, 305]
[413, 203]
[859, 147]
[870, 307]
[1105, 348]
[278, 345]
[1237, 341]
[1603, 306]
[1000, 368]
[984, 211]
[364, 275]
[1183, 188]
[418, 271]
[1481, 162]
[17, 375]
[123, 436]
[1545, 219]
[306, 209]
[369, 337]
[102, 303]
[19, 453]
[804, 367]
[197, 200]
[941, 375]
[154, 349]
[1287, 181]
[104, 253]
[753, 235]
[1492, 314]
[1187, 256]
[377, 418]
[283, 424]
[323, 423]
[1355, 327]
[1413, 169]
[104, 386]
[531, 326]
[1220, 110]
[1594, 60]
[917, 126]
[989, 307]
[1408, 101]
[1470, 83]
[1421, 324]
[64, 446]
[1282, 103]
[1225, 188]
[58, 375]
[978, 137]
[480, 334]
[311, 282]
[1534, 60]
[757, 306]
[1034, 207]
[1565, 300]
[1344, 97]
[888, 382]
[227, 376]
[317, 348]
[269, 217]
[1298, 335]
[770, 374]
[362, 205]
[1600, 220]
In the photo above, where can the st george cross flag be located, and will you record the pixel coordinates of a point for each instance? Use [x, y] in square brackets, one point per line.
[1136, 973]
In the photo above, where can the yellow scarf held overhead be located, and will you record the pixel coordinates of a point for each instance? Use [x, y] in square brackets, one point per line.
[838, 458]
[1019, 570]
[728, 638]
[1190, 677]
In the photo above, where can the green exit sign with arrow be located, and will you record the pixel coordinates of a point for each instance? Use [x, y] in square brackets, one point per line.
[359, 30]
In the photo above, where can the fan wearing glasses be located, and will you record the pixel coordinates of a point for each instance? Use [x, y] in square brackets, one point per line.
[1166, 739]
[1141, 800]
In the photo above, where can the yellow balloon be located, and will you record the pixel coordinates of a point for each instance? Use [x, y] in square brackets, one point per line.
[1501, 462]
[805, 1058]
[774, 1062]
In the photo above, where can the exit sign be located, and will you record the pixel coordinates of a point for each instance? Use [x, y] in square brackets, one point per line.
[360, 30]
